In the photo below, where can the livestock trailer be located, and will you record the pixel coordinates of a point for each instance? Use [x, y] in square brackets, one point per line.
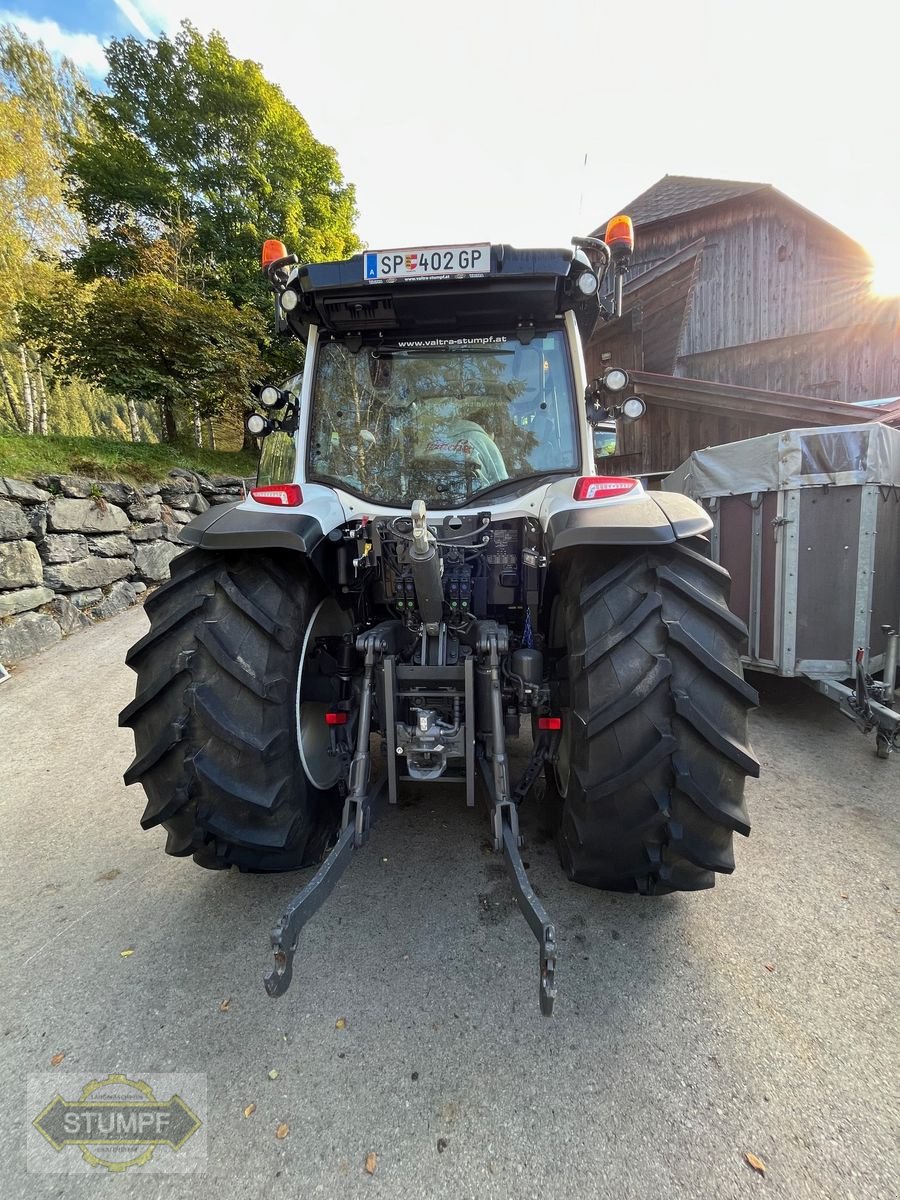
[807, 521]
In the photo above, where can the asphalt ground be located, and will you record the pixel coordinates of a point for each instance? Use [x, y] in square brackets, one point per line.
[689, 1031]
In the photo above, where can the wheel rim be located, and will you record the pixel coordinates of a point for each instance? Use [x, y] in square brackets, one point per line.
[563, 764]
[313, 735]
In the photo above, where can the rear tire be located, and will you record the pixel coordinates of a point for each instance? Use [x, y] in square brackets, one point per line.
[214, 716]
[654, 752]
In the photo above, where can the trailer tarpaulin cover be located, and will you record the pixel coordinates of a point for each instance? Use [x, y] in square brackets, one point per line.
[836, 454]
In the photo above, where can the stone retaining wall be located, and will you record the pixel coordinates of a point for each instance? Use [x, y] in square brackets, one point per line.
[74, 550]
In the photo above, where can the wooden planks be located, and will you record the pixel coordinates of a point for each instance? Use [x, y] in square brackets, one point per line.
[857, 362]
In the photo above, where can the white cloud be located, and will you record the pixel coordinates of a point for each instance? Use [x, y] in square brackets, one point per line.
[84, 49]
[132, 13]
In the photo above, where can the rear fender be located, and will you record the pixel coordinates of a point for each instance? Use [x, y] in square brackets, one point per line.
[251, 526]
[638, 519]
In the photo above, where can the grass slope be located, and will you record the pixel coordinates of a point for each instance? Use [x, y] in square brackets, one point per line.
[25, 457]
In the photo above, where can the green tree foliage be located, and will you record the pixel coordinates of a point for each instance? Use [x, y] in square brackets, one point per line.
[81, 409]
[159, 344]
[197, 149]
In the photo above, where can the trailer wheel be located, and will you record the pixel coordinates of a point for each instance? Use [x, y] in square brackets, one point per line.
[215, 714]
[649, 780]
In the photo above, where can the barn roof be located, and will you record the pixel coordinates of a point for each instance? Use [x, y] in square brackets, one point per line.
[675, 195]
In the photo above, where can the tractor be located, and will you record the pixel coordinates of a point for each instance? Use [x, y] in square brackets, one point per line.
[431, 556]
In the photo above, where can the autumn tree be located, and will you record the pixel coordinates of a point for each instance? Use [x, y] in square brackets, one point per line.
[42, 104]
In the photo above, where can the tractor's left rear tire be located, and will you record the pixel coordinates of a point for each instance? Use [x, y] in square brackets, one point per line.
[215, 717]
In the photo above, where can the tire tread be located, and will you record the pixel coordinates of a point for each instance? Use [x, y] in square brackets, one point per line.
[651, 790]
[214, 725]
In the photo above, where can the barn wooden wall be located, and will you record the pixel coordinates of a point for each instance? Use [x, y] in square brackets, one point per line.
[860, 362]
[665, 437]
[763, 273]
[760, 295]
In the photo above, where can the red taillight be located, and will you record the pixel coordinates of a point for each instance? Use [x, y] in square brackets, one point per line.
[280, 495]
[335, 718]
[603, 487]
[550, 723]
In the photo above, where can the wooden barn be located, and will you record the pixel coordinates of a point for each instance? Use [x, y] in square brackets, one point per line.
[745, 313]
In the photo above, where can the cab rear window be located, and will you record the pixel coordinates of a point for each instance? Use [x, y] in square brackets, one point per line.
[442, 418]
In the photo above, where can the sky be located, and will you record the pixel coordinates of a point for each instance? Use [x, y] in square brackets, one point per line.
[530, 121]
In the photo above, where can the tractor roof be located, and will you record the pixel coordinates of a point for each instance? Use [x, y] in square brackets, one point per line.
[523, 287]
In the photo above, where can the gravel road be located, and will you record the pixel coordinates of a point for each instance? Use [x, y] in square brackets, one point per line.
[689, 1030]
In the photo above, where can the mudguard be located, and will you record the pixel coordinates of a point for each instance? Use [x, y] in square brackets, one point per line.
[654, 518]
[236, 527]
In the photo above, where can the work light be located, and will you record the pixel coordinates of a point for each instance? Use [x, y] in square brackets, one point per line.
[615, 379]
[633, 408]
[587, 283]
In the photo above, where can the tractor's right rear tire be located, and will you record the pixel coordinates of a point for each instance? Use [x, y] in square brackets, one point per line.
[649, 781]
[215, 717]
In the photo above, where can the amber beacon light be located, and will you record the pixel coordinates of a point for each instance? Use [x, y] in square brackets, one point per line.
[272, 250]
[620, 234]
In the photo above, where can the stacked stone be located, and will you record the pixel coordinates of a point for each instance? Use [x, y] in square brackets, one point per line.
[74, 550]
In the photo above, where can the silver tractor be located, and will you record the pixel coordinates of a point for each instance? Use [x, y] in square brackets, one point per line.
[431, 556]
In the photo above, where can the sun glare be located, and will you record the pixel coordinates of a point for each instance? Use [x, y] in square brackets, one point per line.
[886, 275]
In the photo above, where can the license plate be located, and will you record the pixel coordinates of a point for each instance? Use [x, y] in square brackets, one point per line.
[383, 266]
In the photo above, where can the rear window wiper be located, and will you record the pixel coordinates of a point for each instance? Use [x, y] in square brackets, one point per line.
[515, 480]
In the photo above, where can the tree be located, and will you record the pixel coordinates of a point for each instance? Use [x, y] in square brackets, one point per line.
[197, 149]
[42, 104]
[55, 89]
[153, 342]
